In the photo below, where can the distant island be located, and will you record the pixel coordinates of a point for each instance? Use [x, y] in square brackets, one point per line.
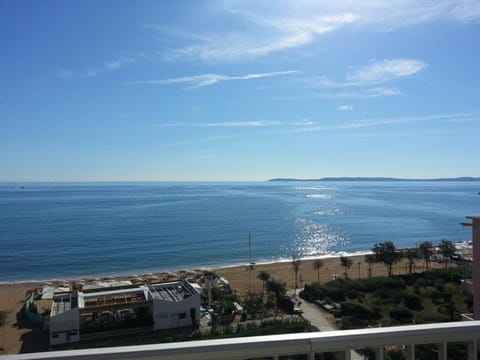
[465, 178]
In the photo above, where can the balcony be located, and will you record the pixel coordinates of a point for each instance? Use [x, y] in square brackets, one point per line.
[283, 346]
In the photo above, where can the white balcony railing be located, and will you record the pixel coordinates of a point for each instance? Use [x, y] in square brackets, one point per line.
[276, 346]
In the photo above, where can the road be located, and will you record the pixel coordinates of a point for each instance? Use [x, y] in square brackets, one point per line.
[323, 321]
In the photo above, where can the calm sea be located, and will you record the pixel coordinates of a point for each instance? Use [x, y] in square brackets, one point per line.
[68, 230]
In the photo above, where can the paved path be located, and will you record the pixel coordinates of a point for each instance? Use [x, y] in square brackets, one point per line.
[323, 321]
[318, 318]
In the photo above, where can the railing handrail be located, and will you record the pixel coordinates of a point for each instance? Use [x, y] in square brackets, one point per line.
[258, 346]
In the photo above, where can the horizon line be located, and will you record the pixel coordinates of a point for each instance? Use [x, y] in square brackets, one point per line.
[278, 179]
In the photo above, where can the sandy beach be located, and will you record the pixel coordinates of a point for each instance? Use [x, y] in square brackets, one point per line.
[239, 276]
[13, 335]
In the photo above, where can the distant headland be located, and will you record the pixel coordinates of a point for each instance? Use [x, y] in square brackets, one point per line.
[465, 178]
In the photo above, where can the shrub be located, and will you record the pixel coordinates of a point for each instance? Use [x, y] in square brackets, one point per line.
[313, 292]
[286, 304]
[413, 302]
[352, 294]
[446, 275]
[357, 310]
[365, 285]
[336, 294]
[409, 279]
[378, 311]
[401, 315]
[253, 304]
[336, 290]
[394, 296]
[448, 309]
[417, 289]
[352, 322]
[424, 317]
[436, 297]
[390, 282]
[423, 283]
[447, 297]
[394, 354]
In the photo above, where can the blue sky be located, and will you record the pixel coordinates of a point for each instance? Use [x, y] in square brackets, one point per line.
[238, 90]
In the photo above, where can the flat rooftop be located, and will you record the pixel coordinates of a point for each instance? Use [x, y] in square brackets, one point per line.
[63, 303]
[101, 298]
[174, 291]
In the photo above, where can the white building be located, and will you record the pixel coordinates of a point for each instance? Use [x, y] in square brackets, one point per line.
[64, 319]
[175, 304]
[165, 305]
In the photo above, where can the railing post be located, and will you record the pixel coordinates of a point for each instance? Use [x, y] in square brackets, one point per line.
[347, 354]
[379, 353]
[410, 352]
[472, 350]
[442, 351]
[311, 355]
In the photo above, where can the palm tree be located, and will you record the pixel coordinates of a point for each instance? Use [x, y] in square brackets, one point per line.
[412, 255]
[370, 260]
[264, 277]
[386, 253]
[296, 267]
[346, 263]
[447, 250]
[317, 264]
[426, 252]
[277, 289]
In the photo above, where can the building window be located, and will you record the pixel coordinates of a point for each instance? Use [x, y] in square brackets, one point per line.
[182, 315]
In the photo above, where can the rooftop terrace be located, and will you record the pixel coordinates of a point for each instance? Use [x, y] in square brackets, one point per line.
[174, 291]
[112, 297]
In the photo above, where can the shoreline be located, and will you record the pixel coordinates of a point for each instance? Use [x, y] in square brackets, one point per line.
[133, 272]
[214, 267]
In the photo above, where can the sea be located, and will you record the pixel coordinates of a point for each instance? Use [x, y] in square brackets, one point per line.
[73, 230]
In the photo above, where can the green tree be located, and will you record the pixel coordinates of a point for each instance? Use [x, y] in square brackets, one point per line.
[278, 289]
[253, 304]
[296, 262]
[451, 310]
[370, 260]
[426, 251]
[317, 264]
[386, 253]
[346, 263]
[263, 276]
[411, 255]
[447, 250]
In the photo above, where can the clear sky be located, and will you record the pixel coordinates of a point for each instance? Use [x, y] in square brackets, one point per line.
[238, 90]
